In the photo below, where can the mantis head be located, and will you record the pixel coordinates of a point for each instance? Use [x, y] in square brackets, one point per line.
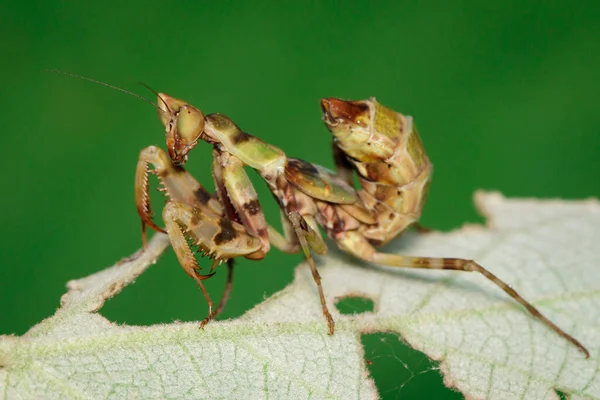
[184, 124]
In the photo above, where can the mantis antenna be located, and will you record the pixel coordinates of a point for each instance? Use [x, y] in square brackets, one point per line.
[85, 78]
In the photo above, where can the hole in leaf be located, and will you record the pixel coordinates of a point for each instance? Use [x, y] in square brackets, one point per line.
[562, 395]
[399, 371]
[354, 304]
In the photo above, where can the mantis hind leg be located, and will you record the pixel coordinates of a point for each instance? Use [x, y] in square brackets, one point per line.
[309, 238]
[361, 248]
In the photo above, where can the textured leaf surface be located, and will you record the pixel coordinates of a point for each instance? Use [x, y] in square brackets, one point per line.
[487, 345]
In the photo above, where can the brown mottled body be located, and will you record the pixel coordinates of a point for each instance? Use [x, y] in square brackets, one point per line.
[379, 144]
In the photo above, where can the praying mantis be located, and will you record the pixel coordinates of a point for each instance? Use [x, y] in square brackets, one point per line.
[381, 146]
[378, 144]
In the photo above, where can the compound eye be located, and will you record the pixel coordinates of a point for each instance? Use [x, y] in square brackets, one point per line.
[190, 123]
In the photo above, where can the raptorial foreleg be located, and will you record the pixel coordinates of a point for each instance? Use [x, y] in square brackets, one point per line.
[216, 236]
[239, 198]
[178, 184]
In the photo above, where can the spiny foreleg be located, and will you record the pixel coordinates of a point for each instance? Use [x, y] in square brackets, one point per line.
[240, 204]
[359, 247]
[240, 201]
[216, 236]
[238, 196]
[177, 183]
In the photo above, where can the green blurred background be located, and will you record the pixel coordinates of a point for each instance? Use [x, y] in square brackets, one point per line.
[505, 95]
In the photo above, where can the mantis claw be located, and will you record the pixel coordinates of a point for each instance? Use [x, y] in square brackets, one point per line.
[206, 320]
[204, 277]
[330, 323]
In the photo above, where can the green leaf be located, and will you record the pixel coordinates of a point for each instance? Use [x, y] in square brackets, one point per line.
[488, 347]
